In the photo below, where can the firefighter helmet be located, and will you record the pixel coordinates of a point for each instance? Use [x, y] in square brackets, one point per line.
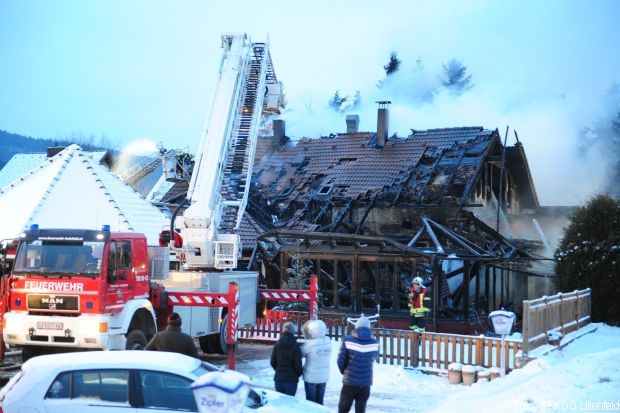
[418, 280]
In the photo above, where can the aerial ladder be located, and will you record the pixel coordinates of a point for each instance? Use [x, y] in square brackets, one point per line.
[218, 191]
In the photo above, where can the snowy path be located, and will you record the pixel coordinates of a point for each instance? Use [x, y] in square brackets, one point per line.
[394, 390]
[585, 372]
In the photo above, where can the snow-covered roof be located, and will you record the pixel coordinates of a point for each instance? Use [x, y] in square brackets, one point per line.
[22, 163]
[72, 190]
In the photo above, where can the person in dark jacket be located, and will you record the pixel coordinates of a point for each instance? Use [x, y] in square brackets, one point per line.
[173, 339]
[355, 361]
[286, 361]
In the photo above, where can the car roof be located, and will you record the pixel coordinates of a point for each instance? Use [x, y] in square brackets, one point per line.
[128, 359]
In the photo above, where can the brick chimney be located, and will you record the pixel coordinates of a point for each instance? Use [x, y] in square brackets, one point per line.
[279, 131]
[382, 123]
[353, 123]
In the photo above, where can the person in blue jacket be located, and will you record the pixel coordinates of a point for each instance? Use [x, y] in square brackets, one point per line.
[355, 361]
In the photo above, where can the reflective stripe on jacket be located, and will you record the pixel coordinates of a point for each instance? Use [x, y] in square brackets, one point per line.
[356, 357]
[416, 301]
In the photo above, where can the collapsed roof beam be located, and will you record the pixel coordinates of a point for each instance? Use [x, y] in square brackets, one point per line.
[502, 241]
[357, 240]
[415, 238]
[431, 234]
[463, 242]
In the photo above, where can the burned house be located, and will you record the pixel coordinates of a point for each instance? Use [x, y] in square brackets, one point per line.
[367, 213]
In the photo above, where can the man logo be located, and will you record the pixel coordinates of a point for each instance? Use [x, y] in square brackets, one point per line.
[52, 301]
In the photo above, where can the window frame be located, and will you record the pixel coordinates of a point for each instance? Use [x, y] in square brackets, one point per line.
[129, 400]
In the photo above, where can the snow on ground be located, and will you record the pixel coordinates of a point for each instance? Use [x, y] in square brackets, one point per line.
[582, 376]
[579, 377]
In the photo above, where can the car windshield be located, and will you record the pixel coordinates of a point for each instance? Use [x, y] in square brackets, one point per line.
[204, 368]
[49, 258]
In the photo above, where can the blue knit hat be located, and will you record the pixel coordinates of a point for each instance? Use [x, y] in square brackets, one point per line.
[363, 321]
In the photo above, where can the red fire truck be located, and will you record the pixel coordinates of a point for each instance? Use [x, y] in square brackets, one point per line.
[85, 289]
[76, 288]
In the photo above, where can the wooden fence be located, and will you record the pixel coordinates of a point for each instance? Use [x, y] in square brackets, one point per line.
[563, 313]
[438, 350]
[270, 326]
[401, 347]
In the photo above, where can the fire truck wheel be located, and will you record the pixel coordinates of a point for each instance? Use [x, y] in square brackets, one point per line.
[136, 340]
[29, 352]
[206, 345]
[219, 340]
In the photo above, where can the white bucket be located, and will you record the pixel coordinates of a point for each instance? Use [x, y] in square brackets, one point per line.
[221, 392]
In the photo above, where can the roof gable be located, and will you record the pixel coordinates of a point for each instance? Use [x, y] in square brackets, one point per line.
[71, 190]
[23, 163]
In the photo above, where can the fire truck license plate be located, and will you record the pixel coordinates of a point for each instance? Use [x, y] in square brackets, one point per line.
[49, 325]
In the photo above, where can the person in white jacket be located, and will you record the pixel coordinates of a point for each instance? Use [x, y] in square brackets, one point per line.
[317, 351]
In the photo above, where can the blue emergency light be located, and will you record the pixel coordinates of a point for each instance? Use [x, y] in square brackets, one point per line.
[34, 227]
[105, 228]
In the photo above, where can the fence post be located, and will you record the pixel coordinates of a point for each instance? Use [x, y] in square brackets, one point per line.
[526, 328]
[480, 350]
[546, 307]
[589, 305]
[577, 308]
[562, 310]
[414, 348]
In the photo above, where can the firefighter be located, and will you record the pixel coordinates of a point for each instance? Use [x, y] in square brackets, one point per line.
[418, 299]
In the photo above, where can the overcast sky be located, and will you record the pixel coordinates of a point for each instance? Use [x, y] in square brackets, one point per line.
[147, 70]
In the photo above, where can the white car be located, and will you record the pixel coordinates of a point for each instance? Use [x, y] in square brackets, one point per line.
[123, 381]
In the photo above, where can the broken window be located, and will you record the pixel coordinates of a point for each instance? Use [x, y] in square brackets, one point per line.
[325, 189]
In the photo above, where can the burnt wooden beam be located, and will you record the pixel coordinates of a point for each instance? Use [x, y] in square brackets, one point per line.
[487, 289]
[466, 279]
[437, 274]
[356, 297]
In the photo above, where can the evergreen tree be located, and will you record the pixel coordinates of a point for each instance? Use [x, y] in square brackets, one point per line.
[393, 64]
[337, 101]
[357, 100]
[455, 76]
[614, 185]
[340, 104]
[589, 256]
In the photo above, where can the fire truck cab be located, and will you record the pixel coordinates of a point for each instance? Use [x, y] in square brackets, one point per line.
[79, 289]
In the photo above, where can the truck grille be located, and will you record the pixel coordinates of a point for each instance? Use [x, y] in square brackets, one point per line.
[48, 302]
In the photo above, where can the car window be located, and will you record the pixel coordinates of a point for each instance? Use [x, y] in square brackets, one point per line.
[167, 391]
[103, 385]
[60, 387]
[106, 385]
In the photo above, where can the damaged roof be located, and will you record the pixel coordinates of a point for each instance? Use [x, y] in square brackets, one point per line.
[349, 167]
[351, 163]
